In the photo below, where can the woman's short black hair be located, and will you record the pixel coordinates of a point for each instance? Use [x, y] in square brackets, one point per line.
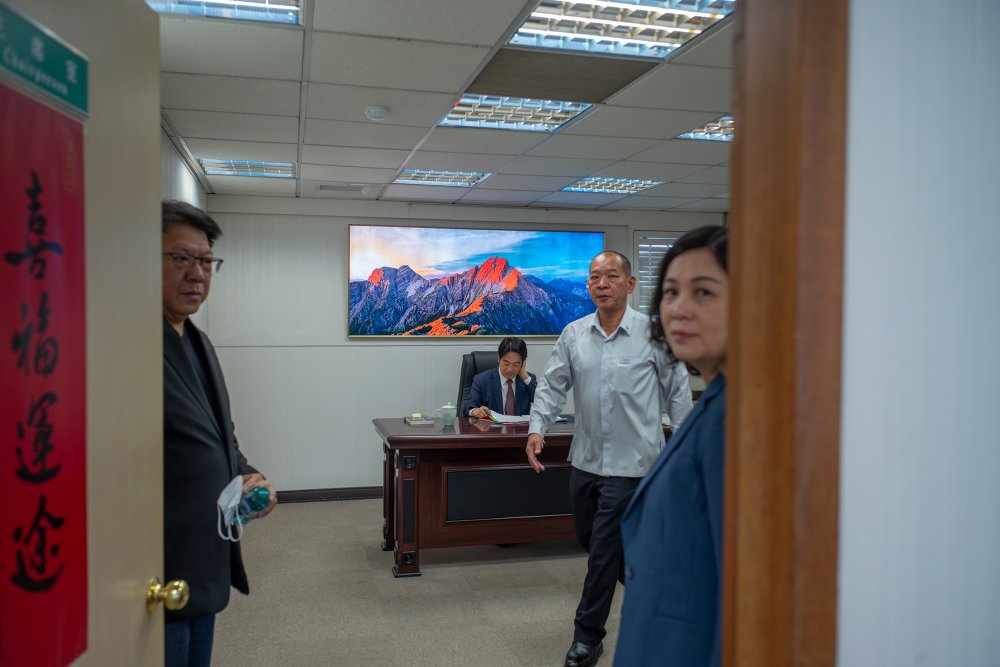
[511, 344]
[713, 237]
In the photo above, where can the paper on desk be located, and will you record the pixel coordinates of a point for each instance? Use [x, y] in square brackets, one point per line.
[508, 419]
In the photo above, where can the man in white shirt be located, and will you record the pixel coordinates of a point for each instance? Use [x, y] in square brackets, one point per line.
[621, 385]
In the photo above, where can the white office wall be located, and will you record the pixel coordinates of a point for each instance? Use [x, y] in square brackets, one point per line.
[303, 393]
[178, 182]
[920, 453]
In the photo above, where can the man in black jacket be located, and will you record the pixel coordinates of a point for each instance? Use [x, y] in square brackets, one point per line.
[200, 452]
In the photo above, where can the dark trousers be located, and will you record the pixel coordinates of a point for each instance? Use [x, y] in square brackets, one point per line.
[188, 642]
[598, 505]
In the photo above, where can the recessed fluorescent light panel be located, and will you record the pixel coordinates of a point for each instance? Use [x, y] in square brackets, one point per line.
[611, 186]
[269, 11]
[512, 113]
[639, 28]
[717, 130]
[248, 168]
[462, 179]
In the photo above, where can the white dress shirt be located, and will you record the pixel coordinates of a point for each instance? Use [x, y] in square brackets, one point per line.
[621, 384]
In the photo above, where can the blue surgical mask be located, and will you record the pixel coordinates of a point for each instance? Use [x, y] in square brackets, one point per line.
[228, 507]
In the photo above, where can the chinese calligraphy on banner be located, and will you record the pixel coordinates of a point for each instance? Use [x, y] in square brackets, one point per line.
[43, 525]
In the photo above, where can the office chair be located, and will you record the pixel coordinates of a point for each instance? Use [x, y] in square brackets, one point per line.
[473, 363]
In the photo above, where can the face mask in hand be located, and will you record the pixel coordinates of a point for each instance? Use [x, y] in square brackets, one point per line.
[228, 507]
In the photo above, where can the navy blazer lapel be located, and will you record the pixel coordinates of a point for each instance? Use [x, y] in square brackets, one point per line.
[677, 439]
[225, 419]
[521, 397]
[218, 384]
[177, 358]
[489, 393]
[497, 392]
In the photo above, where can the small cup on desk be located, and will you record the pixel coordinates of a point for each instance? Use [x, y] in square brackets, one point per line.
[448, 413]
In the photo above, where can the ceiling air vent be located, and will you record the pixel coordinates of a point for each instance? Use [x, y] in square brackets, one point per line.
[342, 187]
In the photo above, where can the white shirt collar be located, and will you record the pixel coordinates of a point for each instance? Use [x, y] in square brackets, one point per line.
[625, 325]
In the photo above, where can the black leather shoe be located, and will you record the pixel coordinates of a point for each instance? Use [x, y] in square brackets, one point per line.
[581, 655]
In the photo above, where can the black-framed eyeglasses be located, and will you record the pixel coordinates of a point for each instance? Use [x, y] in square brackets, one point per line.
[182, 262]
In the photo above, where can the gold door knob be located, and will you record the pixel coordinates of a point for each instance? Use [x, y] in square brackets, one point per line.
[174, 594]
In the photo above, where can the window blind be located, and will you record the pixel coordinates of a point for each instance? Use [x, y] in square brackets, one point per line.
[650, 247]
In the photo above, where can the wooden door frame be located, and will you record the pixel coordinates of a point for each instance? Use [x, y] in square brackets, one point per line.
[784, 364]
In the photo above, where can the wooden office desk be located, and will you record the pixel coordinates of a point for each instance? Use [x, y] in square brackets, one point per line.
[463, 485]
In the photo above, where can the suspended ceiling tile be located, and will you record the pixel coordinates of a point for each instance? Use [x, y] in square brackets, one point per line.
[694, 190]
[379, 158]
[689, 151]
[452, 21]
[248, 185]
[653, 203]
[554, 166]
[479, 162]
[242, 150]
[551, 75]
[577, 146]
[416, 80]
[579, 198]
[362, 135]
[475, 140]
[714, 48]
[438, 193]
[484, 196]
[229, 48]
[317, 172]
[481, 214]
[223, 93]
[683, 87]
[234, 126]
[598, 216]
[647, 171]
[529, 183]
[406, 107]
[611, 121]
[712, 175]
[717, 204]
[392, 63]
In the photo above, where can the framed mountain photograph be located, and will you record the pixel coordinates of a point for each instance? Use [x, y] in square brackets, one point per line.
[435, 281]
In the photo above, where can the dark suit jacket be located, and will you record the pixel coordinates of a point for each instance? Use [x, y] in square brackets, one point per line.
[200, 456]
[672, 538]
[486, 391]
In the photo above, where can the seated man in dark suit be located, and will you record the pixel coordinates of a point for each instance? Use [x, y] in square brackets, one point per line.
[508, 389]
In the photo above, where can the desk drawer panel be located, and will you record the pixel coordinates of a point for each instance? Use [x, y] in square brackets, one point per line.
[506, 492]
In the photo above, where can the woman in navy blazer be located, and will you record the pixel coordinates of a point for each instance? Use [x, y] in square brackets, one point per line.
[672, 529]
[488, 389]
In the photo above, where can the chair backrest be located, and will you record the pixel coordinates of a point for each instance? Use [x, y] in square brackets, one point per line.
[473, 363]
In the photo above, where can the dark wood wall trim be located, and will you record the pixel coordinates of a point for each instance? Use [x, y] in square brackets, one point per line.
[783, 415]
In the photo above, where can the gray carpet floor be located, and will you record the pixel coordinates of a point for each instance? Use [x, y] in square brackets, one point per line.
[322, 593]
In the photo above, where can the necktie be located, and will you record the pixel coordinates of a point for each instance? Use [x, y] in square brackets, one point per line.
[509, 407]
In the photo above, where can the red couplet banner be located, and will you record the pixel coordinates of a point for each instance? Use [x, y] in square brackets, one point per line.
[43, 434]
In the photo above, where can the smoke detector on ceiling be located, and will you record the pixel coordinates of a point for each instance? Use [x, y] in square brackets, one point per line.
[376, 112]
